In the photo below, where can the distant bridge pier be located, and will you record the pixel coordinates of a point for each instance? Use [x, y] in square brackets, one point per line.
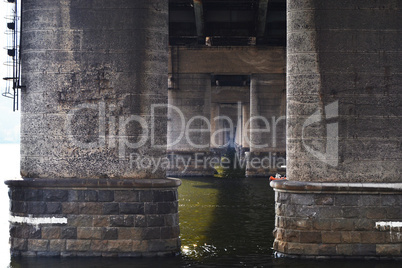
[267, 125]
[90, 135]
[343, 198]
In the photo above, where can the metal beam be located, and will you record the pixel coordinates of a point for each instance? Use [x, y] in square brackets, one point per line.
[262, 17]
[199, 17]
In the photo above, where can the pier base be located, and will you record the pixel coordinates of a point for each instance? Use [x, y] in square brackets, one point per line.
[338, 220]
[105, 217]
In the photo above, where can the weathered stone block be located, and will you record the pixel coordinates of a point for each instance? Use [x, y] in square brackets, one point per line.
[105, 196]
[351, 212]
[373, 237]
[68, 233]
[79, 220]
[323, 200]
[331, 237]
[131, 208]
[172, 219]
[89, 233]
[342, 225]
[347, 200]
[99, 245]
[19, 244]
[101, 221]
[291, 236]
[302, 199]
[363, 224]
[364, 249]
[111, 209]
[388, 249]
[167, 207]
[390, 200]
[78, 245]
[16, 194]
[394, 213]
[36, 208]
[109, 234]
[70, 208]
[140, 246]
[140, 221]
[57, 245]
[162, 245]
[90, 208]
[170, 232]
[370, 200]
[376, 213]
[310, 237]
[155, 220]
[122, 221]
[53, 208]
[38, 244]
[51, 232]
[350, 237]
[327, 249]
[25, 231]
[329, 212]
[344, 249]
[119, 245]
[164, 196]
[55, 195]
[322, 224]
[126, 196]
[129, 233]
[151, 208]
[151, 233]
[18, 206]
[33, 195]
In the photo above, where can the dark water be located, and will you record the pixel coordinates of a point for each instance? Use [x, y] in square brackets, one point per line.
[224, 223]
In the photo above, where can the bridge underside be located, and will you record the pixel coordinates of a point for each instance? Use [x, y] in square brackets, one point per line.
[104, 92]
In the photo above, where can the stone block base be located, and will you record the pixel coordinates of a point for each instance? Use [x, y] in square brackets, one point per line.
[338, 220]
[128, 218]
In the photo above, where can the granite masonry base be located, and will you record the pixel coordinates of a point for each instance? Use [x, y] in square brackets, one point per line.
[99, 217]
[338, 220]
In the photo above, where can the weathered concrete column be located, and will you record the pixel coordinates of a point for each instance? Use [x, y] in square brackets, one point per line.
[189, 128]
[267, 125]
[246, 126]
[343, 131]
[90, 136]
[215, 139]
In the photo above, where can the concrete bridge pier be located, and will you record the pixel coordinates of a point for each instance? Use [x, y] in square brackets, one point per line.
[267, 125]
[344, 194]
[93, 143]
[189, 128]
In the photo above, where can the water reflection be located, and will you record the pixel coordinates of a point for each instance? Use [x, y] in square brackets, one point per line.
[227, 219]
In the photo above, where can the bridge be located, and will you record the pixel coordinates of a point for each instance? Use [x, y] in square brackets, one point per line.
[118, 97]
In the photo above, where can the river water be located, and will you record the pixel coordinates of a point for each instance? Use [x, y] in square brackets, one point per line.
[223, 222]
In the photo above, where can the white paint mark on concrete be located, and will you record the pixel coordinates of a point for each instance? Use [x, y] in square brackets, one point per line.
[37, 221]
[388, 225]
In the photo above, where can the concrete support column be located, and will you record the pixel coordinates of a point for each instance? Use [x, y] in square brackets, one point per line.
[189, 129]
[246, 126]
[267, 125]
[343, 131]
[90, 133]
